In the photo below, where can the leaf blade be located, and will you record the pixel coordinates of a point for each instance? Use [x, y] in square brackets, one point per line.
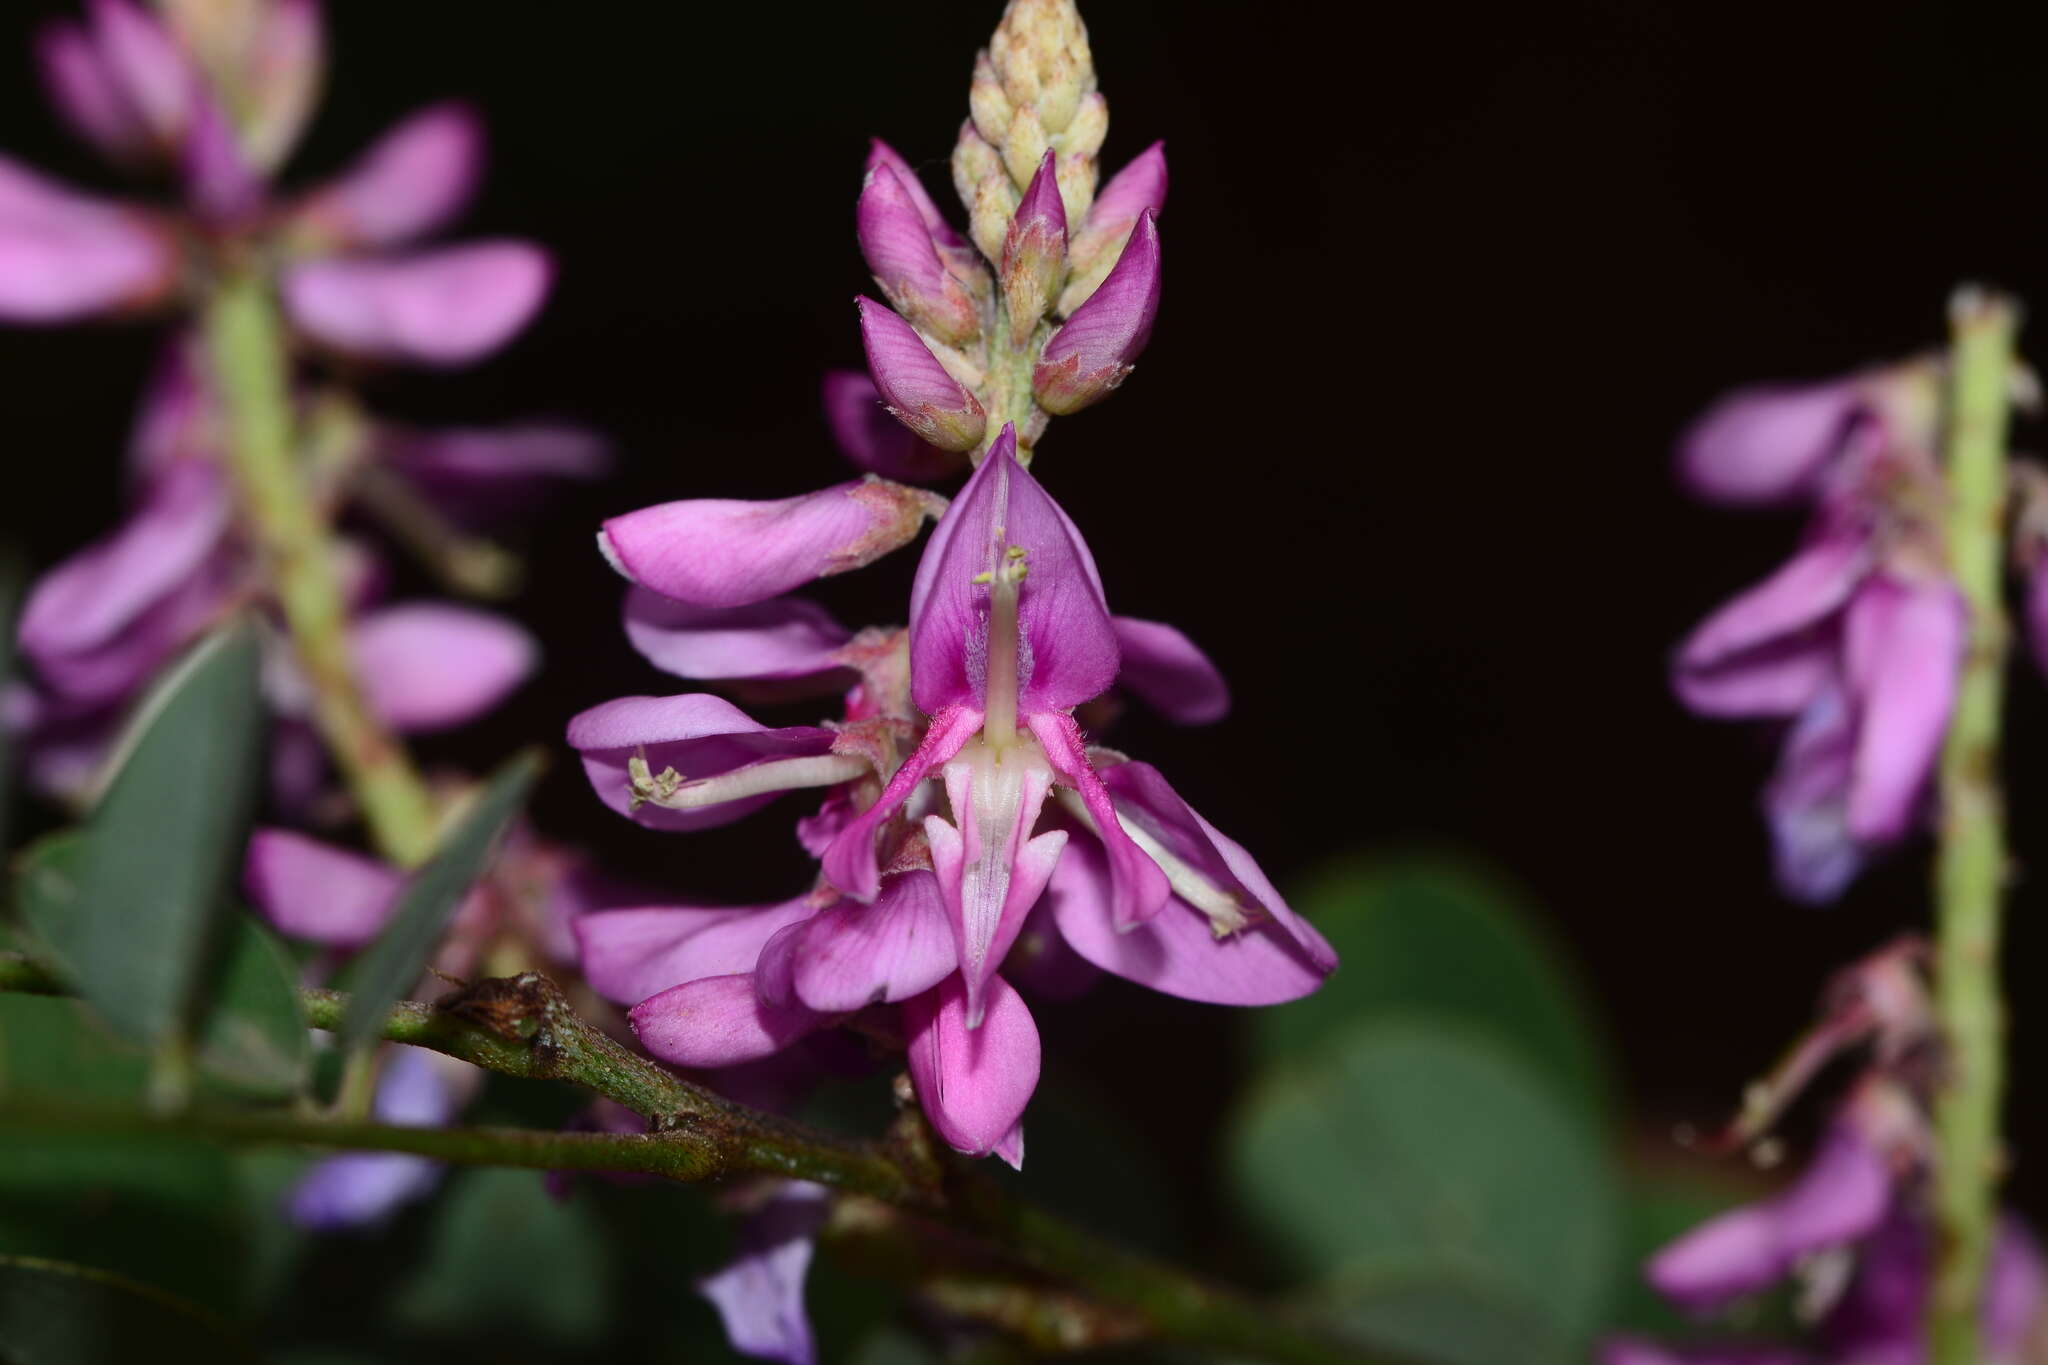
[391, 964]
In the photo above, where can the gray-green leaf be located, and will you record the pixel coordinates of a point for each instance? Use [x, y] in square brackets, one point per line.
[1406, 1153]
[152, 873]
[390, 966]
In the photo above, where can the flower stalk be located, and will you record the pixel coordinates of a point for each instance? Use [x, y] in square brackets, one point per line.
[245, 345]
[1970, 869]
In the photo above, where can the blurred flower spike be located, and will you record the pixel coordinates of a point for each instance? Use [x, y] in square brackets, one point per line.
[1856, 642]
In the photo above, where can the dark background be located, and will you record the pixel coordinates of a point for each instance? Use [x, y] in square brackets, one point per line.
[1441, 290]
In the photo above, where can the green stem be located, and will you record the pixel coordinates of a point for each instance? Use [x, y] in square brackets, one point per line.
[523, 1026]
[1970, 870]
[246, 345]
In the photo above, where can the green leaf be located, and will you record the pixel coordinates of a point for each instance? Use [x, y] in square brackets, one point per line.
[56, 1313]
[151, 874]
[505, 1261]
[1448, 1323]
[1407, 1153]
[255, 1033]
[390, 966]
[165, 1211]
[1425, 933]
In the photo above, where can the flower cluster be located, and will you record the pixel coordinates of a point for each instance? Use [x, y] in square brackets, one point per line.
[961, 801]
[1858, 639]
[145, 89]
[1853, 1228]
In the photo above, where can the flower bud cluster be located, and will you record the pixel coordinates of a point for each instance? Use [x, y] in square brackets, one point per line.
[1042, 307]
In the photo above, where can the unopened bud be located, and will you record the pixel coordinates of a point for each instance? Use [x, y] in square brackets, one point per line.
[1094, 352]
[898, 245]
[1024, 145]
[986, 102]
[1035, 253]
[1094, 247]
[918, 390]
[1041, 51]
[993, 205]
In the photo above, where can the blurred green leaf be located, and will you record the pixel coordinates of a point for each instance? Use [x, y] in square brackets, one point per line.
[391, 964]
[55, 1313]
[1443, 1321]
[151, 873]
[255, 1033]
[1422, 932]
[163, 1211]
[893, 1346]
[505, 1261]
[252, 1034]
[1423, 1155]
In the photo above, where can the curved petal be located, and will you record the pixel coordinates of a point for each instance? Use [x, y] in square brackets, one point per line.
[722, 552]
[784, 637]
[1069, 649]
[868, 436]
[1842, 1196]
[1807, 800]
[854, 955]
[1139, 186]
[317, 892]
[898, 247]
[445, 307]
[412, 181]
[1095, 351]
[1139, 887]
[630, 955]
[974, 1083]
[850, 863]
[85, 601]
[1169, 671]
[429, 666]
[881, 153]
[1904, 651]
[1768, 444]
[717, 1021]
[66, 255]
[1175, 952]
[1768, 652]
[697, 735]
[760, 1296]
[918, 390]
[990, 869]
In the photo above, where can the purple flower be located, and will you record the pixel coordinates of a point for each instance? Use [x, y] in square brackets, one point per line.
[965, 722]
[760, 1296]
[1856, 641]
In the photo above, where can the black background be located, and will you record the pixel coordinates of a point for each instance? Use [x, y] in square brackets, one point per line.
[1441, 289]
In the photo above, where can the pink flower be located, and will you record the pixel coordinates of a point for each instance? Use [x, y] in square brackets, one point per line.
[959, 796]
[1856, 641]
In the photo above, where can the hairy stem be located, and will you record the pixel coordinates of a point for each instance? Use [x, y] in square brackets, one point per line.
[1970, 870]
[952, 1220]
[246, 348]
